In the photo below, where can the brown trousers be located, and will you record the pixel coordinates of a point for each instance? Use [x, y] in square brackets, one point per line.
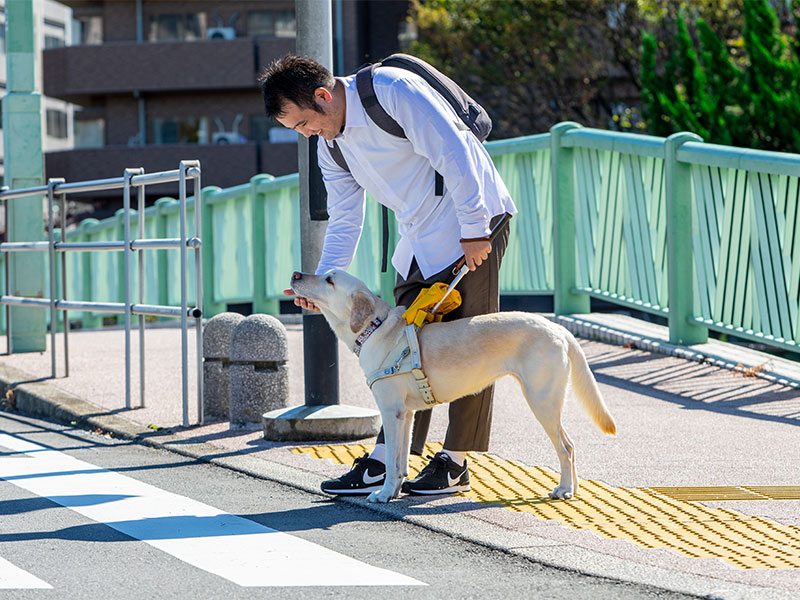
[470, 417]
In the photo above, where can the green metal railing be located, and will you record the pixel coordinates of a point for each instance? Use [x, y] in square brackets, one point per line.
[707, 236]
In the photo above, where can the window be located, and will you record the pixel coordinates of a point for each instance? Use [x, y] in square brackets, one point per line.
[88, 30]
[52, 41]
[90, 133]
[2, 38]
[177, 27]
[260, 23]
[165, 28]
[180, 130]
[56, 123]
[271, 23]
[285, 24]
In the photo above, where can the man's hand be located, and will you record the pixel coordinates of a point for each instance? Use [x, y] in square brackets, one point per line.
[302, 302]
[475, 252]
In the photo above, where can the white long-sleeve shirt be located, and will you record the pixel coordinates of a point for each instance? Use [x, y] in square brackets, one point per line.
[400, 174]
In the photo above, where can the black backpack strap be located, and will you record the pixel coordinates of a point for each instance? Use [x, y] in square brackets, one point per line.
[337, 156]
[366, 92]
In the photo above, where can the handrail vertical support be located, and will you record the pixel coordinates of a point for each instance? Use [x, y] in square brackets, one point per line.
[140, 196]
[126, 259]
[7, 269]
[194, 173]
[184, 300]
[565, 260]
[680, 256]
[63, 203]
[52, 266]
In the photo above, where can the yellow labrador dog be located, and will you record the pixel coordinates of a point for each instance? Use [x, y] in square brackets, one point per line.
[459, 358]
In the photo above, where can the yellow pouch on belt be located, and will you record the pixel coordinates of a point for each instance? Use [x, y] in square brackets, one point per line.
[419, 311]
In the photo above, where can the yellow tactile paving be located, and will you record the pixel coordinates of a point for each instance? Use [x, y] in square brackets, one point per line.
[655, 517]
[731, 492]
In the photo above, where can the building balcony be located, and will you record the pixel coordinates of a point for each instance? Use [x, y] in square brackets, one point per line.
[223, 165]
[77, 73]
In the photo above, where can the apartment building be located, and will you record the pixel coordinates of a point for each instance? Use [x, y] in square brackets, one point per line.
[54, 30]
[157, 81]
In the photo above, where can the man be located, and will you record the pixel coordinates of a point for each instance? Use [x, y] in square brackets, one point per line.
[435, 230]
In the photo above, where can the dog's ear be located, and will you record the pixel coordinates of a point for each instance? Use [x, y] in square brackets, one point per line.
[362, 309]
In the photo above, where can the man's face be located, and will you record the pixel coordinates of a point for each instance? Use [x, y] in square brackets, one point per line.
[308, 122]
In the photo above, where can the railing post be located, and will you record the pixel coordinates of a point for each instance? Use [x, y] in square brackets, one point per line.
[126, 275]
[51, 263]
[197, 188]
[88, 320]
[680, 255]
[565, 263]
[210, 307]
[261, 304]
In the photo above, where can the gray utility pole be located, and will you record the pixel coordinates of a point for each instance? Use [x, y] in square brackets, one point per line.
[22, 124]
[322, 417]
[319, 342]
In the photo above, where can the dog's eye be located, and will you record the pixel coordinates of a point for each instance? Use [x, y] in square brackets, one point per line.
[329, 279]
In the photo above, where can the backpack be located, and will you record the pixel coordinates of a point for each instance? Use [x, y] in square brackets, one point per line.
[472, 114]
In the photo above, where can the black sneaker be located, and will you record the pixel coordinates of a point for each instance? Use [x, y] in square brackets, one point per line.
[366, 476]
[440, 476]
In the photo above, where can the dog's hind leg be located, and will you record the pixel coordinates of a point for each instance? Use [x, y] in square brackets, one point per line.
[546, 401]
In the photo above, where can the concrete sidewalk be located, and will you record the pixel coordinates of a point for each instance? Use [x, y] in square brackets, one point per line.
[704, 467]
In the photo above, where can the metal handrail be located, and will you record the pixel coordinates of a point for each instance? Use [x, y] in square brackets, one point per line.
[133, 178]
[138, 244]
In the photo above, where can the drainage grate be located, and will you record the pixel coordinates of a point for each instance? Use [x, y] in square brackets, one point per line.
[655, 517]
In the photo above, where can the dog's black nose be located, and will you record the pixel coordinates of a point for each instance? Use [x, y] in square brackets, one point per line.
[297, 275]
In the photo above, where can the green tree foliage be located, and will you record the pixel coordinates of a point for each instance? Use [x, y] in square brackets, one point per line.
[749, 98]
[773, 77]
[652, 97]
[531, 64]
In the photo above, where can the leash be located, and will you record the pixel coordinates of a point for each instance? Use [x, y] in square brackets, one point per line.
[461, 268]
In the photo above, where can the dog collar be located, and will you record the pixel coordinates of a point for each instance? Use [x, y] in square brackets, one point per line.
[362, 337]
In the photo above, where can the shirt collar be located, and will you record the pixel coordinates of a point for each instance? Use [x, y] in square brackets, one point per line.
[355, 116]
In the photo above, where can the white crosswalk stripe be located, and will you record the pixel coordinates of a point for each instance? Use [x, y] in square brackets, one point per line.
[14, 578]
[240, 550]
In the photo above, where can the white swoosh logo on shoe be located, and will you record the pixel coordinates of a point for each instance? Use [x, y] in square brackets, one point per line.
[453, 481]
[372, 479]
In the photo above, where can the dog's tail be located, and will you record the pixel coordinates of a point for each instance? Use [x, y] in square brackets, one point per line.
[585, 388]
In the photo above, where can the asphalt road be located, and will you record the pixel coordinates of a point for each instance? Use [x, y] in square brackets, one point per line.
[85, 516]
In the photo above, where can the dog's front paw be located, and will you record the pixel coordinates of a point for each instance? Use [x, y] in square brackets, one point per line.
[562, 493]
[380, 497]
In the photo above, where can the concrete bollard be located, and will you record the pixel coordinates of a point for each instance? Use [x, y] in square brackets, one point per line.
[216, 364]
[259, 372]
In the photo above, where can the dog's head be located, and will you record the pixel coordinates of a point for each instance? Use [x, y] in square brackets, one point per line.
[344, 300]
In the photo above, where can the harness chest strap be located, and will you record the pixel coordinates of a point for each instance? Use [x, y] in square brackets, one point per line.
[397, 364]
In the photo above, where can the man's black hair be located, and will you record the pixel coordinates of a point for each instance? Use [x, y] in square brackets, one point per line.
[293, 78]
